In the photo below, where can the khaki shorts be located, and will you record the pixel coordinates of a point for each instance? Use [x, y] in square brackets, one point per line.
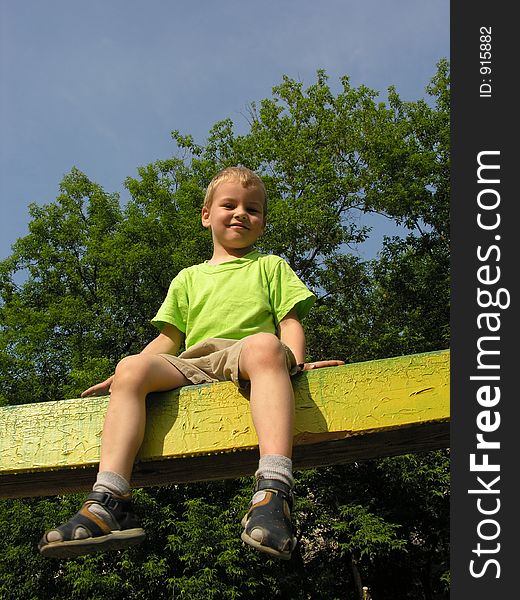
[216, 359]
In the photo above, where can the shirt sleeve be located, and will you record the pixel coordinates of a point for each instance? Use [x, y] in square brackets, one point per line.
[287, 291]
[174, 309]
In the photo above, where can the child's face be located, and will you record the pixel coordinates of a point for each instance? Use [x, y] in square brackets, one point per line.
[236, 216]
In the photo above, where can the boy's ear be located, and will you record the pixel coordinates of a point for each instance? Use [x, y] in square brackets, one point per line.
[205, 217]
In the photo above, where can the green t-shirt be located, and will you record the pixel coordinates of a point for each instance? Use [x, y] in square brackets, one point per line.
[234, 299]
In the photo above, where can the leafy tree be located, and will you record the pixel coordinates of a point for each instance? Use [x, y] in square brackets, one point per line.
[97, 272]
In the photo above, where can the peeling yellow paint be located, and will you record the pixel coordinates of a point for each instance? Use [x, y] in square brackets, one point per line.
[331, 403]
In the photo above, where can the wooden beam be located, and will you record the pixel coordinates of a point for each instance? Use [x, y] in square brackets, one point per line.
[352, 412]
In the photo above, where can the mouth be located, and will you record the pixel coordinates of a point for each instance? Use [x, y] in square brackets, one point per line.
[238, 226]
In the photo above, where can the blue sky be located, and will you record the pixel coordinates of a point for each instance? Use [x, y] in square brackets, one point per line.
[100, 85]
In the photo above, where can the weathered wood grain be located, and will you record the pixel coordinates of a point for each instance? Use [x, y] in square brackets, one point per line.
[352, 412]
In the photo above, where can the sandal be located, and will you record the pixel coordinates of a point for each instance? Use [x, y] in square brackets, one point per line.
[267, 524]
[101, 536]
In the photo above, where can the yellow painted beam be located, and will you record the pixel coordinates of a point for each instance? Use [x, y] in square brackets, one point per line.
[362, 410]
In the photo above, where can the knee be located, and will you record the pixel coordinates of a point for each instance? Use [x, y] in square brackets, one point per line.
[131, 372]
[264, 350]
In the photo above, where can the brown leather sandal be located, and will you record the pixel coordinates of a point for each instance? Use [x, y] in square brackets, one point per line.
[267, 524]
[101, 536]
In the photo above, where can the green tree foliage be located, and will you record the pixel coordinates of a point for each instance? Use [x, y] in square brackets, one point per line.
[96, 271]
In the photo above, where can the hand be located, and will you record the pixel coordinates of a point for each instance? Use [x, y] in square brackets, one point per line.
[322, 363]
[100, 389]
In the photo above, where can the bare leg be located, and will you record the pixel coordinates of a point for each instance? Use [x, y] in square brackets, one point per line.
[263, 362]
[125, 420]
[267, 523]
[123, 432]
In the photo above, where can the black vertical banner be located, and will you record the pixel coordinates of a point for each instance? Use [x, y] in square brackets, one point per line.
[485, 370]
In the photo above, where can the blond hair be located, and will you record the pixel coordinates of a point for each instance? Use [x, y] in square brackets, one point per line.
[242, 175]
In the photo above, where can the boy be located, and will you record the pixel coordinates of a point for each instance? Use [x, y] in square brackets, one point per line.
[239, 317]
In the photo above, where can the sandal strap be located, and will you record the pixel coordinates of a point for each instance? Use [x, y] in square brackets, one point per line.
[278, 487]
[120, 508]
[109, 501]
[80, 519]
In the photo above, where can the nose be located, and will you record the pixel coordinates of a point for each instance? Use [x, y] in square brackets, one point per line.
[240, 214]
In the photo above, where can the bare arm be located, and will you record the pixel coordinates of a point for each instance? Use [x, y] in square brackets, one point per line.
[292, 335]
[167, 342]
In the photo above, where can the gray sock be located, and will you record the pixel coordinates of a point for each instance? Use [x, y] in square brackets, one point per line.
[109, 481]
[274, 466]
